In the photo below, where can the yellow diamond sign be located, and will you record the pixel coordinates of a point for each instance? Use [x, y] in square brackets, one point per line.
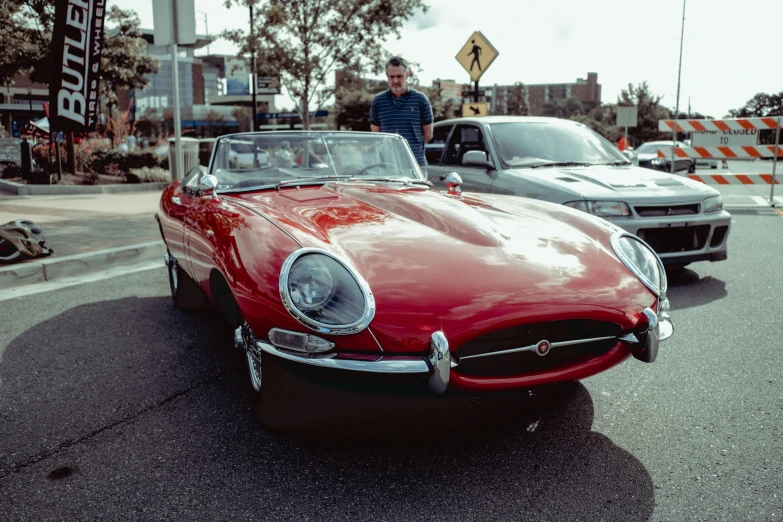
[474, 109]
[477, 55]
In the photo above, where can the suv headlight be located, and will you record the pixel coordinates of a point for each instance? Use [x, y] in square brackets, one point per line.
[325, 294]
[713, 204]
[601, 208]
[641, 260]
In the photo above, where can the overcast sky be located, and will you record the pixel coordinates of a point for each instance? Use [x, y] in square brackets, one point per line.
[730, 52]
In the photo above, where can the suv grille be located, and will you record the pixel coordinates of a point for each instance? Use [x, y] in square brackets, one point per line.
[675, 239]
[672, 210]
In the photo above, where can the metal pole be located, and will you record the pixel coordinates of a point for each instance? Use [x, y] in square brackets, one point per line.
[177, 173]
[475, 92]
[775, 162]
[626, 136]
[253, 73]
[679, 73]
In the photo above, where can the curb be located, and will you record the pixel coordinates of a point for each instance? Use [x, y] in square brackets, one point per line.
[49, 269]
[21, 189]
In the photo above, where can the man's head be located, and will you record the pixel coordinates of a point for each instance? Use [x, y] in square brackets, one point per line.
[397, 72]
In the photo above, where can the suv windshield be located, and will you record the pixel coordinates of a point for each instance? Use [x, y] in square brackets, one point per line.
[252, 160]
[541, 143]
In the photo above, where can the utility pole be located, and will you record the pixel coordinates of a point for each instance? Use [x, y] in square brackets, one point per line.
[253, 72]
[679, 72]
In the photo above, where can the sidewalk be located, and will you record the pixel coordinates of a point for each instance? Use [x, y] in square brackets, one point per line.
[88, 232]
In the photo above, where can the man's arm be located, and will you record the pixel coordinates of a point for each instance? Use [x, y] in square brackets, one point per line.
[427, 132]
[375, 118]
[375, 128]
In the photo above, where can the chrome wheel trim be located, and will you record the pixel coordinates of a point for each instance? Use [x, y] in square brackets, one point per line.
[243, 337]
[173, 280]
[256, 375]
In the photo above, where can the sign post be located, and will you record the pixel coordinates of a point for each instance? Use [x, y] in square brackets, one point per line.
[174, 24]
[775, 162]
[627, 117]
[475, 57]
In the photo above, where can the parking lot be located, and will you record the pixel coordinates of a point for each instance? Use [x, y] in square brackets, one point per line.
[118, 406]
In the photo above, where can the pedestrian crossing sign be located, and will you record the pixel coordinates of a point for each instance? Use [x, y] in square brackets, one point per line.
[477, 55]
[474, 109]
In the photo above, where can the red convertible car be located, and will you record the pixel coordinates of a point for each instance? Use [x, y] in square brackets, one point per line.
[332, 250]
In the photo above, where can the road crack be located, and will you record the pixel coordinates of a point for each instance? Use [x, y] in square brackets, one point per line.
[32, 461]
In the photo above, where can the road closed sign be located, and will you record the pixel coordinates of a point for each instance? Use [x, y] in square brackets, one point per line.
[725, 138]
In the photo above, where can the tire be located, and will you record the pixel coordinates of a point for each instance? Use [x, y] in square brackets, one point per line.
[692, 168]
[674, 268]
[184, 291]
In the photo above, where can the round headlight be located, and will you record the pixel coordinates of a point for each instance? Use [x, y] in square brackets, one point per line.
[641, 260]
[324, 293]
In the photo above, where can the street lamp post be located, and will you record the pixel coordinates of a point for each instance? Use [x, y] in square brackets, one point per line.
[253, 72]
[679, 73]
[206, 27]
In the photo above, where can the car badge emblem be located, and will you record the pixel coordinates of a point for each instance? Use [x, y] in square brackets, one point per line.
[543, 347]
[670, 212]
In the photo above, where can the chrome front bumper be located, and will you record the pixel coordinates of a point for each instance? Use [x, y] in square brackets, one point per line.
[439, 362]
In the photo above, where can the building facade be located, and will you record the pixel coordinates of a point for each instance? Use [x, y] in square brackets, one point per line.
[587, 91]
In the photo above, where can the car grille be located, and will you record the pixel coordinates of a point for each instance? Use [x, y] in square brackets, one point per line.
[670, 210]
[675, 239]
[529, 362]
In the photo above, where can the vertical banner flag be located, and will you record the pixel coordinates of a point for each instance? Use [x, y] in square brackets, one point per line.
[77, 39]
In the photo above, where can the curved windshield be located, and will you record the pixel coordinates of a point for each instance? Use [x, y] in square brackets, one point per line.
[260, 159]
[556, 142]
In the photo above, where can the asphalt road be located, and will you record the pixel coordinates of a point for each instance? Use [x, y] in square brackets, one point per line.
[115, 405]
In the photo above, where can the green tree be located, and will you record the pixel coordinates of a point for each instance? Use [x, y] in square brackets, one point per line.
[305, 40]
[125, 63]
[562, 107]
[760, 106]
[516, 104]
[353, 110]
[649, 109]
[25, 35]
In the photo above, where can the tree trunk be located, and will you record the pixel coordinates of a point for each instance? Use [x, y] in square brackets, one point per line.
[305, 111]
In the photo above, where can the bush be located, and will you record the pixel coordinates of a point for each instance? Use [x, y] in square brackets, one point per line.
[91, 178]
[148, 175]
[38, 177]
[125, 161]
[12, 171]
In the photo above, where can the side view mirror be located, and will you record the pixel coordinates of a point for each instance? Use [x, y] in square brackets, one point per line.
[208, 183]
[628, 154]
[476, 158]
[453, 183]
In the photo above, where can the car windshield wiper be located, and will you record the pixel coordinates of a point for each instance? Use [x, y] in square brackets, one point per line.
[613, 163]
[306, 181]
[407, 181]
[562, 164]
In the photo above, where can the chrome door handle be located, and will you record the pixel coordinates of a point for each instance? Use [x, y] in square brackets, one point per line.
[176, 200]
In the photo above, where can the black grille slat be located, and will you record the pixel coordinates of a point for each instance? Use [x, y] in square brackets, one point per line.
[526, 363]
[522, 363]
[670, 210]
[675, 239]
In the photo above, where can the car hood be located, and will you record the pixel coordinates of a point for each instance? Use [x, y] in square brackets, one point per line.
[623, 182]
[462, 265]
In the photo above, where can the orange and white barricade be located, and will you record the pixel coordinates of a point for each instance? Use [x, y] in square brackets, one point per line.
[727, 152]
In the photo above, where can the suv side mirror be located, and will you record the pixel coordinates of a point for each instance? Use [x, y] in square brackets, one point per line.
[476, 158]
[628, 154]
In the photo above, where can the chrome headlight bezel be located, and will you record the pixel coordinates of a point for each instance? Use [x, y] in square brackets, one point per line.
[353, 327]
[599, 208]
[616, 239]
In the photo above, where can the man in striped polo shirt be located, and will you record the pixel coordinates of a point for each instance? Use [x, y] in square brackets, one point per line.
[402, 110]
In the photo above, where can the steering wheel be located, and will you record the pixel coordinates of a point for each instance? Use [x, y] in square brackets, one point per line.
[381, 164]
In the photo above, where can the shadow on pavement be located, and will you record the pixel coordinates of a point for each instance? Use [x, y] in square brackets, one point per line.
[139, 402]
[687, 289]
